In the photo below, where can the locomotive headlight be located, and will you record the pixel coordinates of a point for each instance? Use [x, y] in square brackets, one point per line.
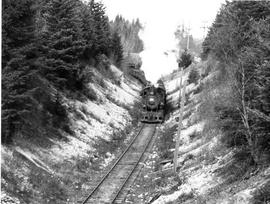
[151, 100]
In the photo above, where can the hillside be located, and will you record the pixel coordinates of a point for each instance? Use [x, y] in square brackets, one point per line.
[224, 144]
[60, 169]
[67, 107]
[208, 171]
[70, 104]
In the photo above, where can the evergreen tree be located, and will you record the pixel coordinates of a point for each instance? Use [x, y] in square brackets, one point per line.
[17, 27]
[45, 44]
[240, 38]
[185, 59]
[117, 49]
[20, 66]
[102, 28]
[88, 32]
[129, 33]
[63, 45]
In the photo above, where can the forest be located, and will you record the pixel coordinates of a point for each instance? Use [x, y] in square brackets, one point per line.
[57, 82]
[238, 43]
[48, 53]
[129, 33]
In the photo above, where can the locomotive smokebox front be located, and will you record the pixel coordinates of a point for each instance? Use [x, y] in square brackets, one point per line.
[152, 102]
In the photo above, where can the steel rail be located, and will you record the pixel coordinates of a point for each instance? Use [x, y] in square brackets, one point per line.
[135, 166]
[115, 164]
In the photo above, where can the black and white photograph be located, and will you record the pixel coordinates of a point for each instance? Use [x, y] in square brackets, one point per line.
[135, 102]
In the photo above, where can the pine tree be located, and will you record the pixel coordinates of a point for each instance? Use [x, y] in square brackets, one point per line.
[20, 68]
[88, 32]
[185, 59]
[17, 27]
[239, 38]
[116, 49]
[129, 33]
[63, 45]
[102, 28]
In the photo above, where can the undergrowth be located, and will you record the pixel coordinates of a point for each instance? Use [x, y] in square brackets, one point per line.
[165, 142]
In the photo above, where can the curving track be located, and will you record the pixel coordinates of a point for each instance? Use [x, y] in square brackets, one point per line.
[114, 186]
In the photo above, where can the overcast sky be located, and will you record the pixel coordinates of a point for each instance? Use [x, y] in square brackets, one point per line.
[160, 20]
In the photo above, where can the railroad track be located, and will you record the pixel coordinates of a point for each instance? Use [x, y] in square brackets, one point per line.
[115, 184]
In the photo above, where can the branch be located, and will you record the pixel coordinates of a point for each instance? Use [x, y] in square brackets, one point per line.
[259, 114]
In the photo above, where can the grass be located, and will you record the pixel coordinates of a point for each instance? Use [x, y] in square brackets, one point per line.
[184, 197]
[262, 195]
[237, 169]
[116, 142]
[32, 185]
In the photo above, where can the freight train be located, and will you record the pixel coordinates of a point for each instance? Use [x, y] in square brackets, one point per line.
[153, 103]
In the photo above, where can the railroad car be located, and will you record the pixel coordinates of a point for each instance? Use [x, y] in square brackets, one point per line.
[153, 103]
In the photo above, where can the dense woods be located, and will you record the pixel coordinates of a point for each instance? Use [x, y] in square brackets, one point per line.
[48, 50]
[239, 41]
[129, 33]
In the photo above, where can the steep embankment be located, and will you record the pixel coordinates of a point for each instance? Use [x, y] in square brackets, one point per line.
[63, 171]
[208, 171]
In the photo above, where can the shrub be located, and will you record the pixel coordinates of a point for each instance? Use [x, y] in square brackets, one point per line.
[187, 113]
[166, 142]
[14, 181]
[116, 142]
[262, 195]
[207, 70]
[135, 112]
[185, 59]
[198, 89]
[168, 108]
[194, 135]
[185, 196]
[193, 76]
[231, 124]
[101, 82]
[90, 93]
[53, 191]
[187, 98]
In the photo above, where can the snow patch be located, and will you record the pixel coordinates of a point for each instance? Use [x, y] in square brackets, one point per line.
[190, 130]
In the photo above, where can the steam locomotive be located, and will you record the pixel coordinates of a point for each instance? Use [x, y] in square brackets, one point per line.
[153, 103]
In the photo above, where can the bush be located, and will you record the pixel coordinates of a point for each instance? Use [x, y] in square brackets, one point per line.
[185, 59]
[90, 93]
[262, 195]
[166, 142]
[168, 108]
[198, 89]
[193, 76]
[101, 82]
[194, 135]
[230, 123]
[135, 112]
[185, 196]
[53, 191]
